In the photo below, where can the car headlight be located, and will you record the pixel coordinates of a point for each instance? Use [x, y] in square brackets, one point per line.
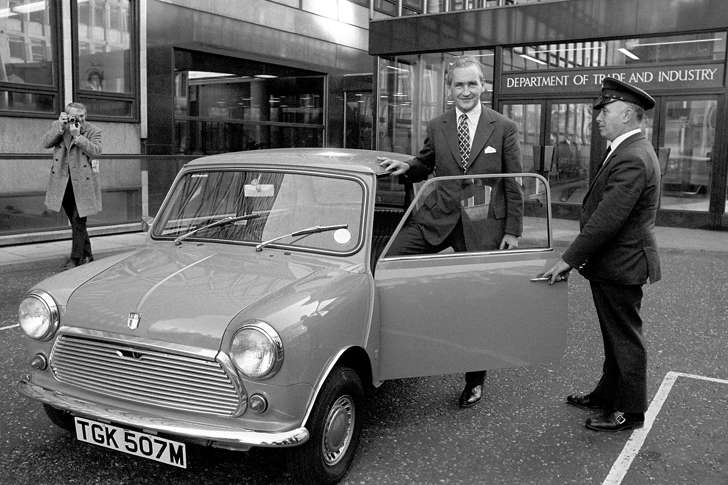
[38, 315]
[257, 350]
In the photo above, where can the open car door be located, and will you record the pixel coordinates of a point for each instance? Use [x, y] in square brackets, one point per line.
[479, 307]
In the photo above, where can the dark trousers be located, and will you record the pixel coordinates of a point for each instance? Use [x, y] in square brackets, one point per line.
[81, 244]
[411, 240]
[623, 384]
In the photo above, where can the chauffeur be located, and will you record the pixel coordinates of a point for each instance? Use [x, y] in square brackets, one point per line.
[616, 251]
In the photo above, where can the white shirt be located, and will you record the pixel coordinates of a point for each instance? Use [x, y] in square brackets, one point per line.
[617, 141]
[473, 117]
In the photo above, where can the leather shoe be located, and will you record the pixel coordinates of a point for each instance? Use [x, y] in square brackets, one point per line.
[470, 396]
[72, 263]
[615, 421]
[584, 401]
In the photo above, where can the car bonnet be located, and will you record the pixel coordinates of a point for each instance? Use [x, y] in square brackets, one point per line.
[183, 295]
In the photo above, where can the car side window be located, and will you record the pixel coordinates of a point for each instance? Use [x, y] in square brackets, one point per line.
[389, 207]
[473, 214]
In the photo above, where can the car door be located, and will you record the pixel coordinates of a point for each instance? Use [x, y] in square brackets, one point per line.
[476, 308]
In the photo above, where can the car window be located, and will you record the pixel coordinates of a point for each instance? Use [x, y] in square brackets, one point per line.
[472, 214]
[266, 205]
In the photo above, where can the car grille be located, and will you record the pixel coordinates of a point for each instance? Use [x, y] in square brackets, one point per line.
[145, 376]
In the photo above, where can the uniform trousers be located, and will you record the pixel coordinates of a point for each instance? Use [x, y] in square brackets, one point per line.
[623, 385]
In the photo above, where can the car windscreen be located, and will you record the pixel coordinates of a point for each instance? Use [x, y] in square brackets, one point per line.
[255, 206]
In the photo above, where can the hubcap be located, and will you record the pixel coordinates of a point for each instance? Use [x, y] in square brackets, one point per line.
[338, 430]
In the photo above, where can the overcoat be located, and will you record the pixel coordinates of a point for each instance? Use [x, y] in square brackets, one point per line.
[617, 243]
[74, 159]
[495, 149]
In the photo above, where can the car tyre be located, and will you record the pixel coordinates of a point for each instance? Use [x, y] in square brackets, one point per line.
[60, 418]
[334, 430]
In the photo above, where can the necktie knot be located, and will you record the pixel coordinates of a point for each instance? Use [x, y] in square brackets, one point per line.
[463, 140]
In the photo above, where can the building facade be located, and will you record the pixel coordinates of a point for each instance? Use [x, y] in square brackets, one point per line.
[170, 80]
[544, 65]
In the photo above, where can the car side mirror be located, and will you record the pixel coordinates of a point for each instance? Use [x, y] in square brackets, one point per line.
[147, 223]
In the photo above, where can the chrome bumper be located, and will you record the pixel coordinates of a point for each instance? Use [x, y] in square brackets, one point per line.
[219, 434]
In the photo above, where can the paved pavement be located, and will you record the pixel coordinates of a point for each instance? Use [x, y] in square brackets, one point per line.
[564, 232]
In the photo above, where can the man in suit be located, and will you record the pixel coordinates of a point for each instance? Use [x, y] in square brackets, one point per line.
[616, 251]
[470, 139]
[74, 181]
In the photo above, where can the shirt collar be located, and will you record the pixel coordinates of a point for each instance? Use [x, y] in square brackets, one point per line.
[617, 141]
[473, 115]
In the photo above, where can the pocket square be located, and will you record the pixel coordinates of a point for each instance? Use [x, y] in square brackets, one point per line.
[489, 149]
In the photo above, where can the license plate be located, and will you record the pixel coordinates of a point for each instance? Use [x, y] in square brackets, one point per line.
[131, 442]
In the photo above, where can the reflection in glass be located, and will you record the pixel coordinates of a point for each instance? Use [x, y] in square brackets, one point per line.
[528, 119]
[266, 205]
[104, 46]
[570, 138]
[706, 47]
[26, 43]
[690, 136]
[221, 112]
[358, 120]
[25, 101]
[468, 214]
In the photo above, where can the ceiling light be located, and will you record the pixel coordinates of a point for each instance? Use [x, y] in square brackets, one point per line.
[532, 59]
[265, 76]
[627, 53]
[30, 7]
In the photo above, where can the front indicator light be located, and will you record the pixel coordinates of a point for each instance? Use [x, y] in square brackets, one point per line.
[38, 315]
[39, 362]
[257, 350]
[258, 403]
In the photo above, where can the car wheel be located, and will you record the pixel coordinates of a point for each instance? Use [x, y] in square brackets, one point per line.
[60, 418]
[334, 428]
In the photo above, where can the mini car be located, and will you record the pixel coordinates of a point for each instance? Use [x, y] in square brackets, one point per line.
[264, 306]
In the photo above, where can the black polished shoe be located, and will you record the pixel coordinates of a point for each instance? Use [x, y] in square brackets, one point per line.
[584, 401]
[470, 396]
[71, 263]
[615, 421]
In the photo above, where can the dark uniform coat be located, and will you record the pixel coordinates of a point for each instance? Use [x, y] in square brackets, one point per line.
[73, 159]
[495, 149]
[617, 243]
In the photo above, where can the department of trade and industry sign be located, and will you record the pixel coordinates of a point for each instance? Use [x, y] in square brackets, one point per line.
[589, 80]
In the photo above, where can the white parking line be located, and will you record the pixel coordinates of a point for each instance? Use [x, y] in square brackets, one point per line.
[9, 327]
[637, 439]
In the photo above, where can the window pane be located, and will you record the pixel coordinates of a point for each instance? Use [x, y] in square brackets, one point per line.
[106, 107]
[25, 101]
[104, 46]
[689, 135]
[705, 47]
[26, 42]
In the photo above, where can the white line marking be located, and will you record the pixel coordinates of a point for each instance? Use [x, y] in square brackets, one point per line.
[9, 327]
[637, 439]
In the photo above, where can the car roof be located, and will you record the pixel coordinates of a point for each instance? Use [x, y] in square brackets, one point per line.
[344, 159]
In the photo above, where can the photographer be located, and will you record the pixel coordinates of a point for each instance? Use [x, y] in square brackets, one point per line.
[74, 179]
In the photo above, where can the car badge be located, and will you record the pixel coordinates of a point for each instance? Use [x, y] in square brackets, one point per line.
[133, 321]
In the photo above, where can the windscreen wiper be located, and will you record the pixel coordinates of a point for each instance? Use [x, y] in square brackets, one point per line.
[302, 232]
[221, 222]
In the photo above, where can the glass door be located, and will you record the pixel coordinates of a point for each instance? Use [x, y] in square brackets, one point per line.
[570, 135]
[688, 132]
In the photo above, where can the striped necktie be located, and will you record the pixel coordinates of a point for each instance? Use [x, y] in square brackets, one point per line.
[463, 140]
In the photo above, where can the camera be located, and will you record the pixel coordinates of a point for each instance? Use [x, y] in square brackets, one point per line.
[73, 120]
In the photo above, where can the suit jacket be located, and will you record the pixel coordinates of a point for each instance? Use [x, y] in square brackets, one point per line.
[73, 159]
[616, 243]
[441, 157]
